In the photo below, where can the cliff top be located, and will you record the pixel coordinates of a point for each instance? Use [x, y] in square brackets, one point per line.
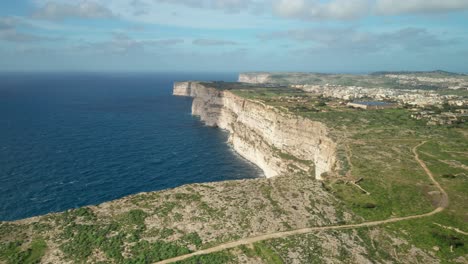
[220, 85]
[435, 73]
[434, 80]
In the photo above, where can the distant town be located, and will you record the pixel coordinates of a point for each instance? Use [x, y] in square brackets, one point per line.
[438, 97]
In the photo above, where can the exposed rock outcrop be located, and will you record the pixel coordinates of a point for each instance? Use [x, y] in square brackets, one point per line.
[275, 141]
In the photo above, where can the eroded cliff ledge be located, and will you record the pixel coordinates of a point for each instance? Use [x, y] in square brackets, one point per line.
[275, 141]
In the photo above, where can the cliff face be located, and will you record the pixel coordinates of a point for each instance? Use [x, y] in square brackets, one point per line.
[182, 88]
[275, 141]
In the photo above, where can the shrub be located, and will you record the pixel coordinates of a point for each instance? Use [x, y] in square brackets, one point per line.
[146, 252]
[11, 252]
[369, 205]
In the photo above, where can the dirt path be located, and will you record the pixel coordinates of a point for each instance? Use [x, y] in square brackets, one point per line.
[457, 152]
[444, 200]
[443, 203]
[453, 229]
[451, 163]
[455, 164]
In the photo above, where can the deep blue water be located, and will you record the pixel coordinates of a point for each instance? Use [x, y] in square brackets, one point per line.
[69, 140]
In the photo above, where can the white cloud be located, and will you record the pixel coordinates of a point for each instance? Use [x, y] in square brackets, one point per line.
[9, 31]
[225, 14]
[225, 5]
[238, 13]
[14, 36]
[319, 10]
[343, 40]
[61, 11]
[121, 43]
[346, 9]
[396, 7]
[7, 23]
[213, 42]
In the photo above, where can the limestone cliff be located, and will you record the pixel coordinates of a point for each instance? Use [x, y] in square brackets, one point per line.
[275, 141]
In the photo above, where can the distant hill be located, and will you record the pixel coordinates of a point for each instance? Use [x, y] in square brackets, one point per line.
[435, 73]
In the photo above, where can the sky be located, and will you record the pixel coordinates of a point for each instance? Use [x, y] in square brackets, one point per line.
[351, 36]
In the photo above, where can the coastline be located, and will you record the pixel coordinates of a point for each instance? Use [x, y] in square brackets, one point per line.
[283, 163]
[277, 142]
[224, 219]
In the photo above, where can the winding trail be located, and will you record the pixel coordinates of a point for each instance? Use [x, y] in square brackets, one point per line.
[443, 203]
[444, 200]
[453, 229]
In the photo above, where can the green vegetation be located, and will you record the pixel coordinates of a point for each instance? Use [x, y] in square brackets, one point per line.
[379, 79]
[82, 241]
[134, 217]
[210, 211]
[425, 234]
[380, 153]
[12, 252]
[287, 156]
[267, 253]
[161, 233]
[193, 239]
[146, 252]
[195, 197]
[215, 258]
[266, 191]
[249, 252]
[165, 209]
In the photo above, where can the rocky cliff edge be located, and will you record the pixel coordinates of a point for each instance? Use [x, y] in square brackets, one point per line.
[275, 141]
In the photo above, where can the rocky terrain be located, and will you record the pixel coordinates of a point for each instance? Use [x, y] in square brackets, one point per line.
[185, 219]
[344, 186]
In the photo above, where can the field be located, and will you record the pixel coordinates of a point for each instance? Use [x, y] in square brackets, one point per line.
[377, 146]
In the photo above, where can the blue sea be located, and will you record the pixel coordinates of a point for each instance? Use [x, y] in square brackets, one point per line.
[70, 140]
